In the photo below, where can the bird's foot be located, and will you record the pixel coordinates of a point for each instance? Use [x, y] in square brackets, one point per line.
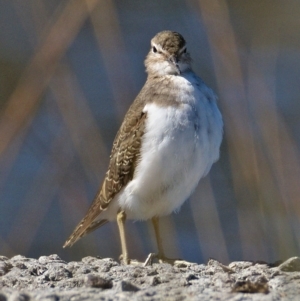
[163, 259]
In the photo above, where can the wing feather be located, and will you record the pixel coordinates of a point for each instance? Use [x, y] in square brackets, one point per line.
[123, 160]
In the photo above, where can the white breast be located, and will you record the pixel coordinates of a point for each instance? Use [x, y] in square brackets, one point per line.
[180, 144]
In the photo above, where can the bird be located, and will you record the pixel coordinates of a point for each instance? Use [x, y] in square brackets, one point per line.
[169, 139]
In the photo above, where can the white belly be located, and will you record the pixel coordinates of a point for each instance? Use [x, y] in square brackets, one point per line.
[179, 146]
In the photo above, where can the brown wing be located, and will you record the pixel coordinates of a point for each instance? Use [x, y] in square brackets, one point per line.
[123, 159]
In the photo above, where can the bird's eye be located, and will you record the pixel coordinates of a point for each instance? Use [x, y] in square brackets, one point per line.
[154, 49]
[184, 51]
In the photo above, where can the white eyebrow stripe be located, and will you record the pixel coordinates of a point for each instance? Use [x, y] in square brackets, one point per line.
[182, 49]
[159, 48]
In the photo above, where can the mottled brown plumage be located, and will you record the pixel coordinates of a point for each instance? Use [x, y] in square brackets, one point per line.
[123, 159]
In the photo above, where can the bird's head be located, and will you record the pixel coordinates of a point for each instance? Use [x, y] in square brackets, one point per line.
[168, 55]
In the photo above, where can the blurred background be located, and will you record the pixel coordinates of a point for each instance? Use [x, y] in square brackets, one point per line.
[69, 71]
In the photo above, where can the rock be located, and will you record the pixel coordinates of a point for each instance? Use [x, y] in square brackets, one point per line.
[51, 278]
[97, 281]
[16, 296]
[251, 287]
[290, 265]
[2, 297]
[4, 267]
[126, 286]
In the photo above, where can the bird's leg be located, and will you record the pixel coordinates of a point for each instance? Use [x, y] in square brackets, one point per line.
[161, 254]
[121, 218]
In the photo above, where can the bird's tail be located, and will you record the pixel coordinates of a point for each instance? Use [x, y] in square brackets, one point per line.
[88, 224]
[79, 232]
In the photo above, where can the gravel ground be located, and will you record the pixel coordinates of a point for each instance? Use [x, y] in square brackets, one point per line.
[51, 278]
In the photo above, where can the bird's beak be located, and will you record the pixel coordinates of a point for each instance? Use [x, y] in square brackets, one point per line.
[174, 60]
